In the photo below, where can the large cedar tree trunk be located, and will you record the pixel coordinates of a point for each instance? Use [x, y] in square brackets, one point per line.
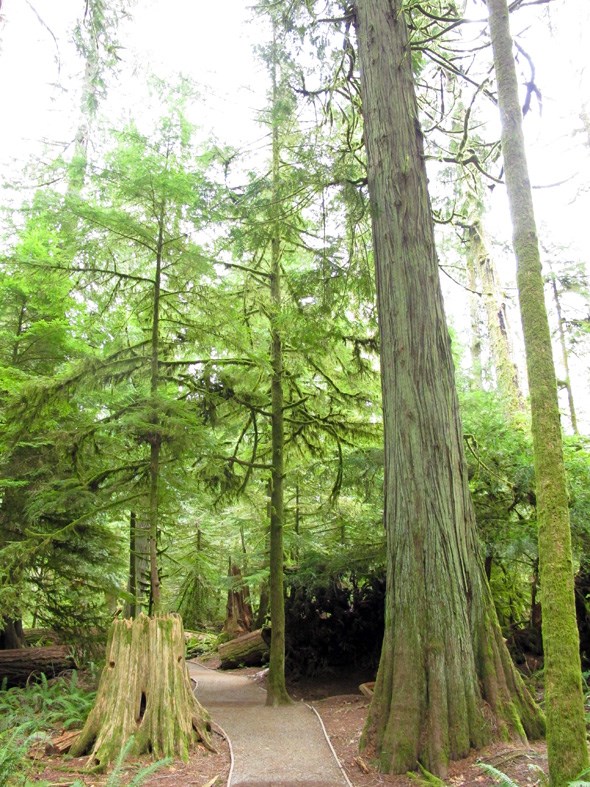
[446, 682]
[144, 692]
[564, 702]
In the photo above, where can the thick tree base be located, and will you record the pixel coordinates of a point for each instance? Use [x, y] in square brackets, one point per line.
[144, 694]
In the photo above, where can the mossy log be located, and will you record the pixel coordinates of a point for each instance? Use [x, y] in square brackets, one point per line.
[249, 650]
[18, 664]
[145, 694]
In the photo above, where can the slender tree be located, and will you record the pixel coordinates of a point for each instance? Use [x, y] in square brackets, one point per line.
[438, 668]
[560, 285]
[277, 690]
[566, 731]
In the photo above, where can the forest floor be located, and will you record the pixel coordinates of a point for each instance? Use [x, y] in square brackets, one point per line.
[343, 710]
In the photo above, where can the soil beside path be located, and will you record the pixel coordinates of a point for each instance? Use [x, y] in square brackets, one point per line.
[343, 711]
[271, 746]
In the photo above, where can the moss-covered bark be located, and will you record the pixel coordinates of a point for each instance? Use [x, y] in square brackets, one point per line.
[445, 680]
[566, 732]
[144, 693]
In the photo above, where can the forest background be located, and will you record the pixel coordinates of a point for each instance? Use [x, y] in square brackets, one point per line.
[84, 326]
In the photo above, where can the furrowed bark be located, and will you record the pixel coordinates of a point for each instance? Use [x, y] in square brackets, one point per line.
[445, 680]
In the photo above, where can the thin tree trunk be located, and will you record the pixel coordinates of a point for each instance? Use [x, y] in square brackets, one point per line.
[474, 315]
[497, 322]
[276, 686]
[131, 606]
[155, 437]
[567, 381]
[566, 732]
[439, 671]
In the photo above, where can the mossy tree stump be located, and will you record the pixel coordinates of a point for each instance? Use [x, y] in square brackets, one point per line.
[144, 693]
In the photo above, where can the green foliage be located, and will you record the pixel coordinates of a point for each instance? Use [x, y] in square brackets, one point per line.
[498, 776]
[28, 714]
[501, 778]
[201, 643]
[14, 761]
[119, 774]
[60, 702]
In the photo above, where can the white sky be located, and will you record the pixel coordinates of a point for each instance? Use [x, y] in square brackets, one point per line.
[211, 42]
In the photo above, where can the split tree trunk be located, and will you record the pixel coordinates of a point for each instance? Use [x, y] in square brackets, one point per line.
[144, 693]
[446, 682]
[564, 702]
[238, 618]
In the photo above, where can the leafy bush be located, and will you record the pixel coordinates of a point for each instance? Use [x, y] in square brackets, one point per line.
[199, 643]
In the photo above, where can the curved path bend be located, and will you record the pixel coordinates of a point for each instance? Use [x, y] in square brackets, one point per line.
[271, 746]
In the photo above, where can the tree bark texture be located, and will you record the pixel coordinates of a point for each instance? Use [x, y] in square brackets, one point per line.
[566, 734]
[144, 693]
[445, 681]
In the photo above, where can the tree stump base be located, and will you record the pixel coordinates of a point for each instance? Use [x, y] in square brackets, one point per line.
[144, 694]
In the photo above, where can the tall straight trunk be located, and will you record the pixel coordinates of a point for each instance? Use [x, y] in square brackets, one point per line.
[131, 607]
[567, 380]
[566, 733]
[446, 682]
[155, 438]
[474, 317]
[138, 582]
[276, 687]
[497, 322]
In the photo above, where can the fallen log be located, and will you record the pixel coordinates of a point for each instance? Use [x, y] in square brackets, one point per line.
[249, 650]
[19, 664]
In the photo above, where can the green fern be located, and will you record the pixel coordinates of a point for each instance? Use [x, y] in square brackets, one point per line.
[62, 703]
[498, 776]
[14, 748]
[115, 777]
